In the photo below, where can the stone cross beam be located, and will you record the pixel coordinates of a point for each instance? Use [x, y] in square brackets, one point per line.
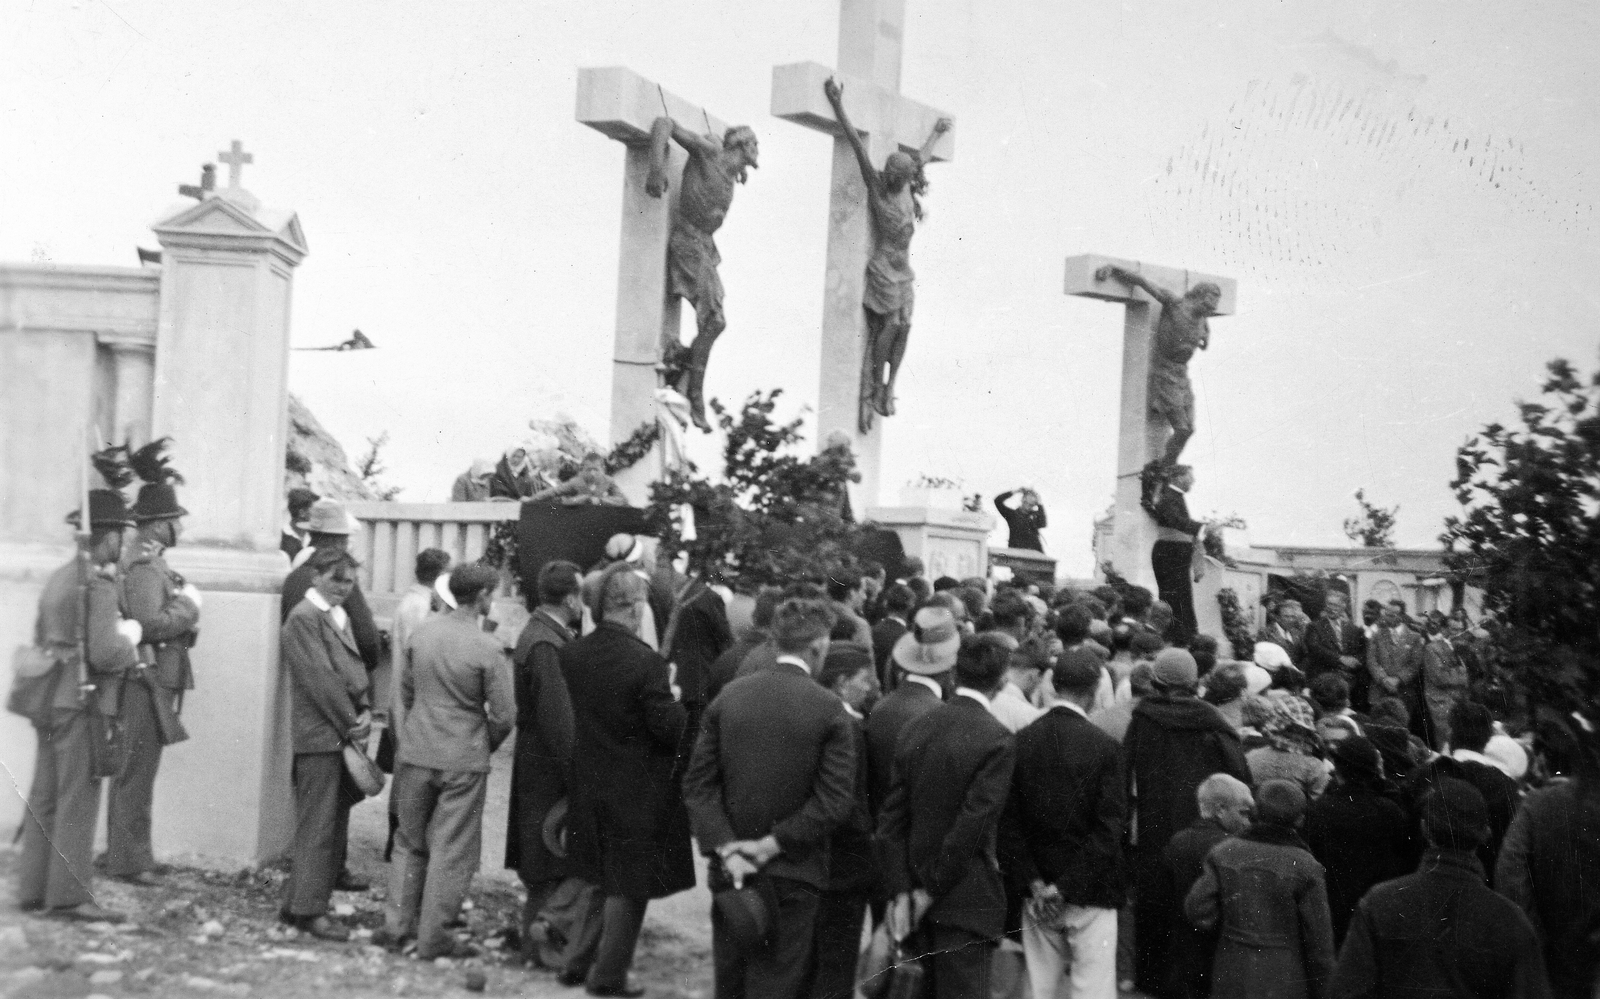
[1139, 439]
[623, 105]
[236, 158]
[870, 38]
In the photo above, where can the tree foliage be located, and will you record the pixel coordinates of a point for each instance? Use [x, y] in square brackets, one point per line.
[1375, 527]
[1528, 536]
[773, 516]
[370, 468]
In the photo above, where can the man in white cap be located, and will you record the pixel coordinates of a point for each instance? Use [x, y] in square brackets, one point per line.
[923, 659]
[329, 526]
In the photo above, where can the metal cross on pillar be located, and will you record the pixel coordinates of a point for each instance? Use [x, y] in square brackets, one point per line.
[1140, 437]
[870, 37]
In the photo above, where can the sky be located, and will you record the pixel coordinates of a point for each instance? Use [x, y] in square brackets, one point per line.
[1405, 192]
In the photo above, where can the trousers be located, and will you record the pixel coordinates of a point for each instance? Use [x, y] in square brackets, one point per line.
[130, 798]
[56, 869]
[436, 851]
[779, 970]
[606, 957]
[960, 964]
[836, 943]
[323, 797]
[1171, 561]
[1078, 950]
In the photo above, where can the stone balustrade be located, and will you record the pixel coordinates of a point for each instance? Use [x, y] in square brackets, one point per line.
[393, 533]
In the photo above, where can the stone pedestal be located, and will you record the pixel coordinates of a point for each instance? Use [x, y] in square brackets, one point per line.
[949, 542]
[221, 393]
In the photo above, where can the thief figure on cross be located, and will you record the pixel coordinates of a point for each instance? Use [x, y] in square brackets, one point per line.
[896, 208]
[708, 179]
[1181, 330]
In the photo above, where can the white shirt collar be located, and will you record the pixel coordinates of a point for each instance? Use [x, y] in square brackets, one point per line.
[1058, 703]
[969, 692]
[794, 661]
[1468, 756]
[852, 712]
[321, 603]
[938, 691]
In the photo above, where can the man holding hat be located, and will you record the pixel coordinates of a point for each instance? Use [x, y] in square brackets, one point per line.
[923, 659]
[1062, 838]
[55, 871]
[168, 610]
[1173, 743]
[773, 774]
[1441, 931]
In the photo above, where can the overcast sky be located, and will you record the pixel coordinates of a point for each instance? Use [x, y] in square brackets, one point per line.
[1405, 193]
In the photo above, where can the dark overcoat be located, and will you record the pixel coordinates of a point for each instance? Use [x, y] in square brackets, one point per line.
[627, 827]
[542, 756]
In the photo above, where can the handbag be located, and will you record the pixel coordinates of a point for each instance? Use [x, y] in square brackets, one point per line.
[363, 771]
[35, 674]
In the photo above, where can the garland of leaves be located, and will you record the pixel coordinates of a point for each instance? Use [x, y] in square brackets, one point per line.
[632, 451]
[1235, 625]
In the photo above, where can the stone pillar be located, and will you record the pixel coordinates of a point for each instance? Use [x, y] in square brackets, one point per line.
[220, 392]
[134, 363]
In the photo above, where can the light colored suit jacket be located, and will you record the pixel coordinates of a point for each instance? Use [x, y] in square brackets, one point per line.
[456, 694]
[1394, 653]
[328, 678]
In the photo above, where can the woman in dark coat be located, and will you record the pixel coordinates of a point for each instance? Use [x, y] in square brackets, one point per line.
[627, 827]
[1356, 830]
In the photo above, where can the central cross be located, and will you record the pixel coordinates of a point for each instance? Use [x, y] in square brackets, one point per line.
[236, 158]
[623, 105]
[871, 33]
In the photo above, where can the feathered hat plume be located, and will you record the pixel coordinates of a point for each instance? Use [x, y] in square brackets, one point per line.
[150, 463]
[114, 466]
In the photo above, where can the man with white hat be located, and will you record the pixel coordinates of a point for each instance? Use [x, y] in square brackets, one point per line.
[923, 658]
[329, 526]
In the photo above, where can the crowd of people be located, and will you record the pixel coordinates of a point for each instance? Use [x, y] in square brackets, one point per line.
[1007, 789]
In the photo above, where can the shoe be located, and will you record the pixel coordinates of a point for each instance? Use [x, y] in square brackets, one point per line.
[88, 912]
[1126, 985]
[349, 882]
[457, 951]
[572, 979]
[389, 939]
[323, 928]
[630, 990]
[31, 906]
[139, 879]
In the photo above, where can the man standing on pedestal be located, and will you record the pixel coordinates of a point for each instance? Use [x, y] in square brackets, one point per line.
[1173, 557]
[55, 873]
[168, 612]
[1024, 520]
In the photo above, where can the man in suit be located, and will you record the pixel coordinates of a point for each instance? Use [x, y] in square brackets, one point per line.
[543, 756]
[455, 687]
[1063, 837]
[1177, 546]
[1335, 644]
[952, 774]
[55, 873]
[773, 774]
[1394, 662]
[847, 591]
[1287, 630]
[628, 834]
[923, 659]
[168, 612]
[328, 708]
[697, 633]
[898, 601]
[329, 528]
[757, 635]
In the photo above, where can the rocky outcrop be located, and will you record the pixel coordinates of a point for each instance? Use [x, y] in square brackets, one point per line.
[315, 461]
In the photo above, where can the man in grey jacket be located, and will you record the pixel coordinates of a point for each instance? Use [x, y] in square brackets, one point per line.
[455, 687]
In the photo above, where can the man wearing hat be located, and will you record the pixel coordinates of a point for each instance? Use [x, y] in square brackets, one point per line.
[923, 659]
[1441, 931]
[55, 871]
[330, 527]
[1173, 743]
[773, 774]
[1062, 841]
[168, 611]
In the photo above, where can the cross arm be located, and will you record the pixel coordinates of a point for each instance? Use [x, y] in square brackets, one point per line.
[797, 96]
[1081, 281]
[621, 104]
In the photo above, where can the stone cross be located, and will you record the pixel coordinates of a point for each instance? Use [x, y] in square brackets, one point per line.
[870, 36]
[1139, 438]
[206, 187]
[623, 105]
[236, 158]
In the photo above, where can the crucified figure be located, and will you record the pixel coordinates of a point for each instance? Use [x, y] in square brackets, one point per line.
[708, 180]
[1181, 330]
[893, 199]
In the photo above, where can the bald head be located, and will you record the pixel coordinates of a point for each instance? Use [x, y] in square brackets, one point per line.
[1225, 800]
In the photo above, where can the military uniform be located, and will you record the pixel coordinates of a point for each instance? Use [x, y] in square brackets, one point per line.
[152, 595]
[55, 871]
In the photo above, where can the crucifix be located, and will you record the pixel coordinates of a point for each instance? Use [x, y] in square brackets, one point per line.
[624, 106]
[206, 187]
[1143, 436]
[236, 158]
[870, 37]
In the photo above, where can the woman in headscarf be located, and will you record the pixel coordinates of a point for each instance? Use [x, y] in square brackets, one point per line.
[1292, 749]
[515, 477]
[472, 486]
